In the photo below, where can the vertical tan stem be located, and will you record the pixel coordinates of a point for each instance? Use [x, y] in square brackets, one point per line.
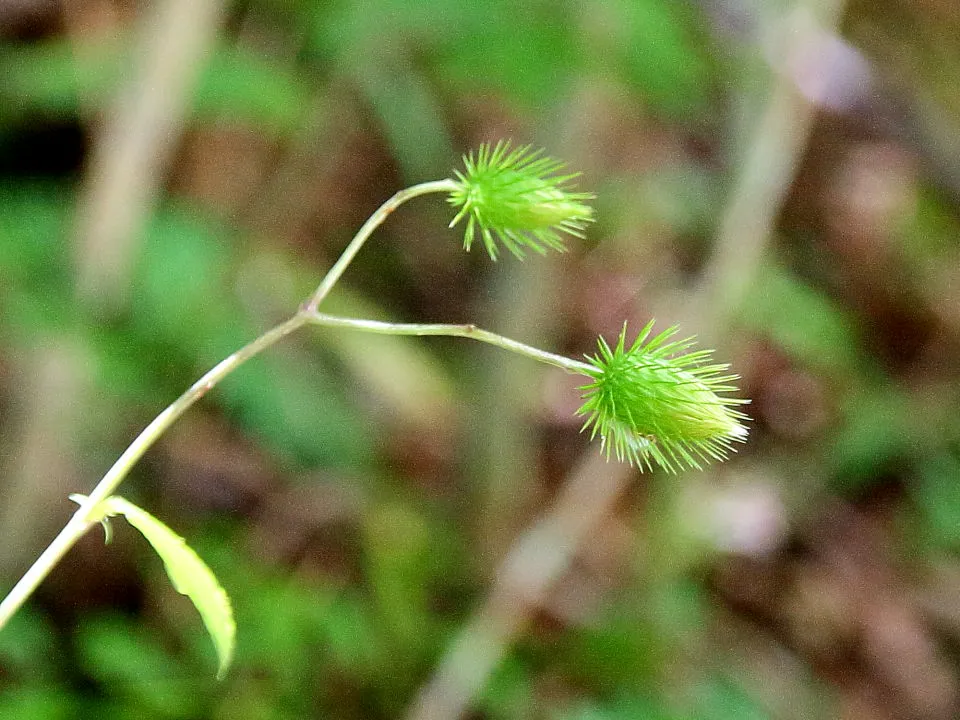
[538, 558]
[129, 159]
[763, 180]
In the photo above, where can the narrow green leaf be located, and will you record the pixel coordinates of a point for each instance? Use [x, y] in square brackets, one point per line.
[188, 573]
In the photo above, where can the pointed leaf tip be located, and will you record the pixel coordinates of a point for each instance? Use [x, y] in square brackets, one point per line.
[189, 574]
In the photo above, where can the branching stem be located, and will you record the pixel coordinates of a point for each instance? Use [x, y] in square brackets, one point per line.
[85, 516]
[374, 221]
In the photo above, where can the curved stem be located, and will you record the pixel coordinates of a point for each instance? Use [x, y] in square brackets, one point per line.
[83, 519]
[374, 221]
[465, 331]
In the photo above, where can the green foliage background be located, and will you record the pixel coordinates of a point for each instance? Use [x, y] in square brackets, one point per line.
[356, 495]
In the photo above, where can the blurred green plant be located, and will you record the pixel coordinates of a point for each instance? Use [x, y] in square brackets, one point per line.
[654, 403]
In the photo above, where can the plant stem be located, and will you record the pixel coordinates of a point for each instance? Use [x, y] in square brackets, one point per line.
[465, 331]
[85, 517]
[81, 520]
[374, 221]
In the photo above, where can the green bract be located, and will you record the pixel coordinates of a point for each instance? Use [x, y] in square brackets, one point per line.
[656, 403]
[517, 197]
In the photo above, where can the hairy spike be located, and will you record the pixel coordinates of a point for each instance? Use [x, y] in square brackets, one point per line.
[517, 200]
[653, 403]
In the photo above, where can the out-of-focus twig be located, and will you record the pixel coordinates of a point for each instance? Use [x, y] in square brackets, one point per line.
[524, 305]
[41, 468]
[538, 559]
[768, 167]
[126, 170]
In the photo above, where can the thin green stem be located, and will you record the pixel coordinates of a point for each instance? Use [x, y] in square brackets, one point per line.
[465, 331]
[85, 517]
[374, 221]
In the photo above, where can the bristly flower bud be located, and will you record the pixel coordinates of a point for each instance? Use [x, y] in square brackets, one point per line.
[656, 403]
[519, 198]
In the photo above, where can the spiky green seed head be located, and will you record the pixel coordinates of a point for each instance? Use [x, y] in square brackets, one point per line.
[656, 403]
[517, 198]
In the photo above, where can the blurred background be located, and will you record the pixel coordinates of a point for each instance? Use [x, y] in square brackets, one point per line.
[415, 528]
